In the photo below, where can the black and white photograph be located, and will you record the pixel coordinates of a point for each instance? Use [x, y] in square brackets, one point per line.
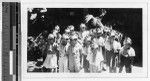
[49, 40]
[84, 40]
[80, 40]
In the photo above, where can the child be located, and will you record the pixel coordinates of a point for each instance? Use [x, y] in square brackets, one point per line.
[51, 60]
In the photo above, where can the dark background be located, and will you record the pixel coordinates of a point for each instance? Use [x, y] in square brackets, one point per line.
[126, 20]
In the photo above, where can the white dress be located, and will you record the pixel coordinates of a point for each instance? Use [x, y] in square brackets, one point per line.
[99, 56]
[63, 60]
[91, 58]
[74, 57]
[51, 59]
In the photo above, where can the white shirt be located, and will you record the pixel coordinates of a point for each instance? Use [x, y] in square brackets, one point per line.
[75, 52]
[116, 46]
[62, 50]
[130, 52]
[107, 44]
[101, 41]
[95, 43]
[85, 33]
[86, 50]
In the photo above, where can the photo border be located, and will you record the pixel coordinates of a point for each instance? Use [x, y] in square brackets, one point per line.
[0, 40]
[25, 5]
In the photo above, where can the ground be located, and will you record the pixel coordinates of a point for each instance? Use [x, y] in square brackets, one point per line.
[33, 67]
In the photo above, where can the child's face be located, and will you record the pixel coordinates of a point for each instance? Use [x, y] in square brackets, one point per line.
[73, 42]
[51, 41]
[83, 28]
[127, 46]
[87, 43]
[64, 41]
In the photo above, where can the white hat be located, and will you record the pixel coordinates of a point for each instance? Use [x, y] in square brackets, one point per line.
[71, 27]
[82, 25]
[57, 27]
[128, 40]
[113, 33]
[106, 29]
[65, 36]
[67, 30]
[50, 36]
[55, 31]
[74, 36]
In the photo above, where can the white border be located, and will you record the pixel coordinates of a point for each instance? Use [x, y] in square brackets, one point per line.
[110, 1]
[148, 37]
[10, 0]
[25, 5]
[0, 41]
[11, 62]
